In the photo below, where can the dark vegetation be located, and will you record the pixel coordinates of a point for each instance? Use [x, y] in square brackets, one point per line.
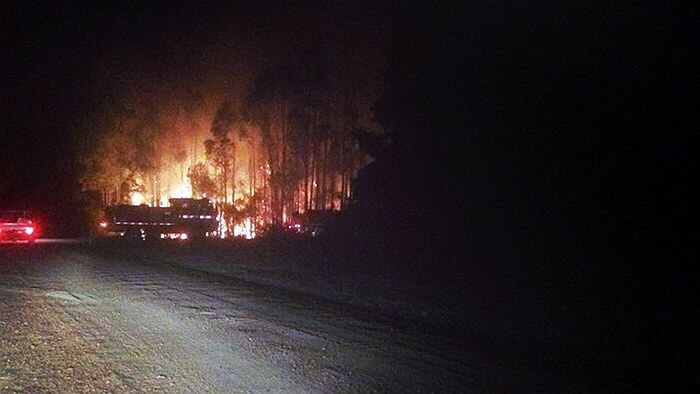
[534, 159]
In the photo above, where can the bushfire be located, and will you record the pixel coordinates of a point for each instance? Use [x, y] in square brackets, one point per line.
[256, 173]
[260, 126]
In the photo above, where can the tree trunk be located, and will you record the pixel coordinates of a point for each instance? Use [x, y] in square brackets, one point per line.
[233, 173]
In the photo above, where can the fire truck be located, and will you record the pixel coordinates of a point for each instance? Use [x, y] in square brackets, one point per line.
[185, 218]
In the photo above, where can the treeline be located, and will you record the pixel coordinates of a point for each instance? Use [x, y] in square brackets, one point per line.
[286, 142]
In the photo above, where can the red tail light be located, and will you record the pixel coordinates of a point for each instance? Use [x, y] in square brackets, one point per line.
[29, 230]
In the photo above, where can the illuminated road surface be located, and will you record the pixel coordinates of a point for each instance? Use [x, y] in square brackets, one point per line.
[73, 321]
[60, 241]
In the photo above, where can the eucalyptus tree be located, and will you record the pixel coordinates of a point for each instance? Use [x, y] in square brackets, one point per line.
[268, 106]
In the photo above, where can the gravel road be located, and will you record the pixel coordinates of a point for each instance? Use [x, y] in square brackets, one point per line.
[72, 320]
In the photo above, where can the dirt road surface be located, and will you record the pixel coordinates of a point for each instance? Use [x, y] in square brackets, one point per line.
[72, 320]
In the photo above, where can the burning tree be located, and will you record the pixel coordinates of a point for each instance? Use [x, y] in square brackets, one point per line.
[203, 184]
[285, 143]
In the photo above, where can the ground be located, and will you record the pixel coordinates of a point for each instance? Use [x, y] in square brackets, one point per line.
[77, 317]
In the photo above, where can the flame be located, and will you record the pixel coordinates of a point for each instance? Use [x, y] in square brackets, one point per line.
[222, 225]
[183, 190]
[250, 178]
[244, 230]
[136, 198]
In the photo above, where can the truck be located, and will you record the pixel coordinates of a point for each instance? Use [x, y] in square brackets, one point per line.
[185, 218]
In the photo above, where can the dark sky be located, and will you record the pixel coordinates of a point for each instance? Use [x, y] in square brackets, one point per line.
[49, 56]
